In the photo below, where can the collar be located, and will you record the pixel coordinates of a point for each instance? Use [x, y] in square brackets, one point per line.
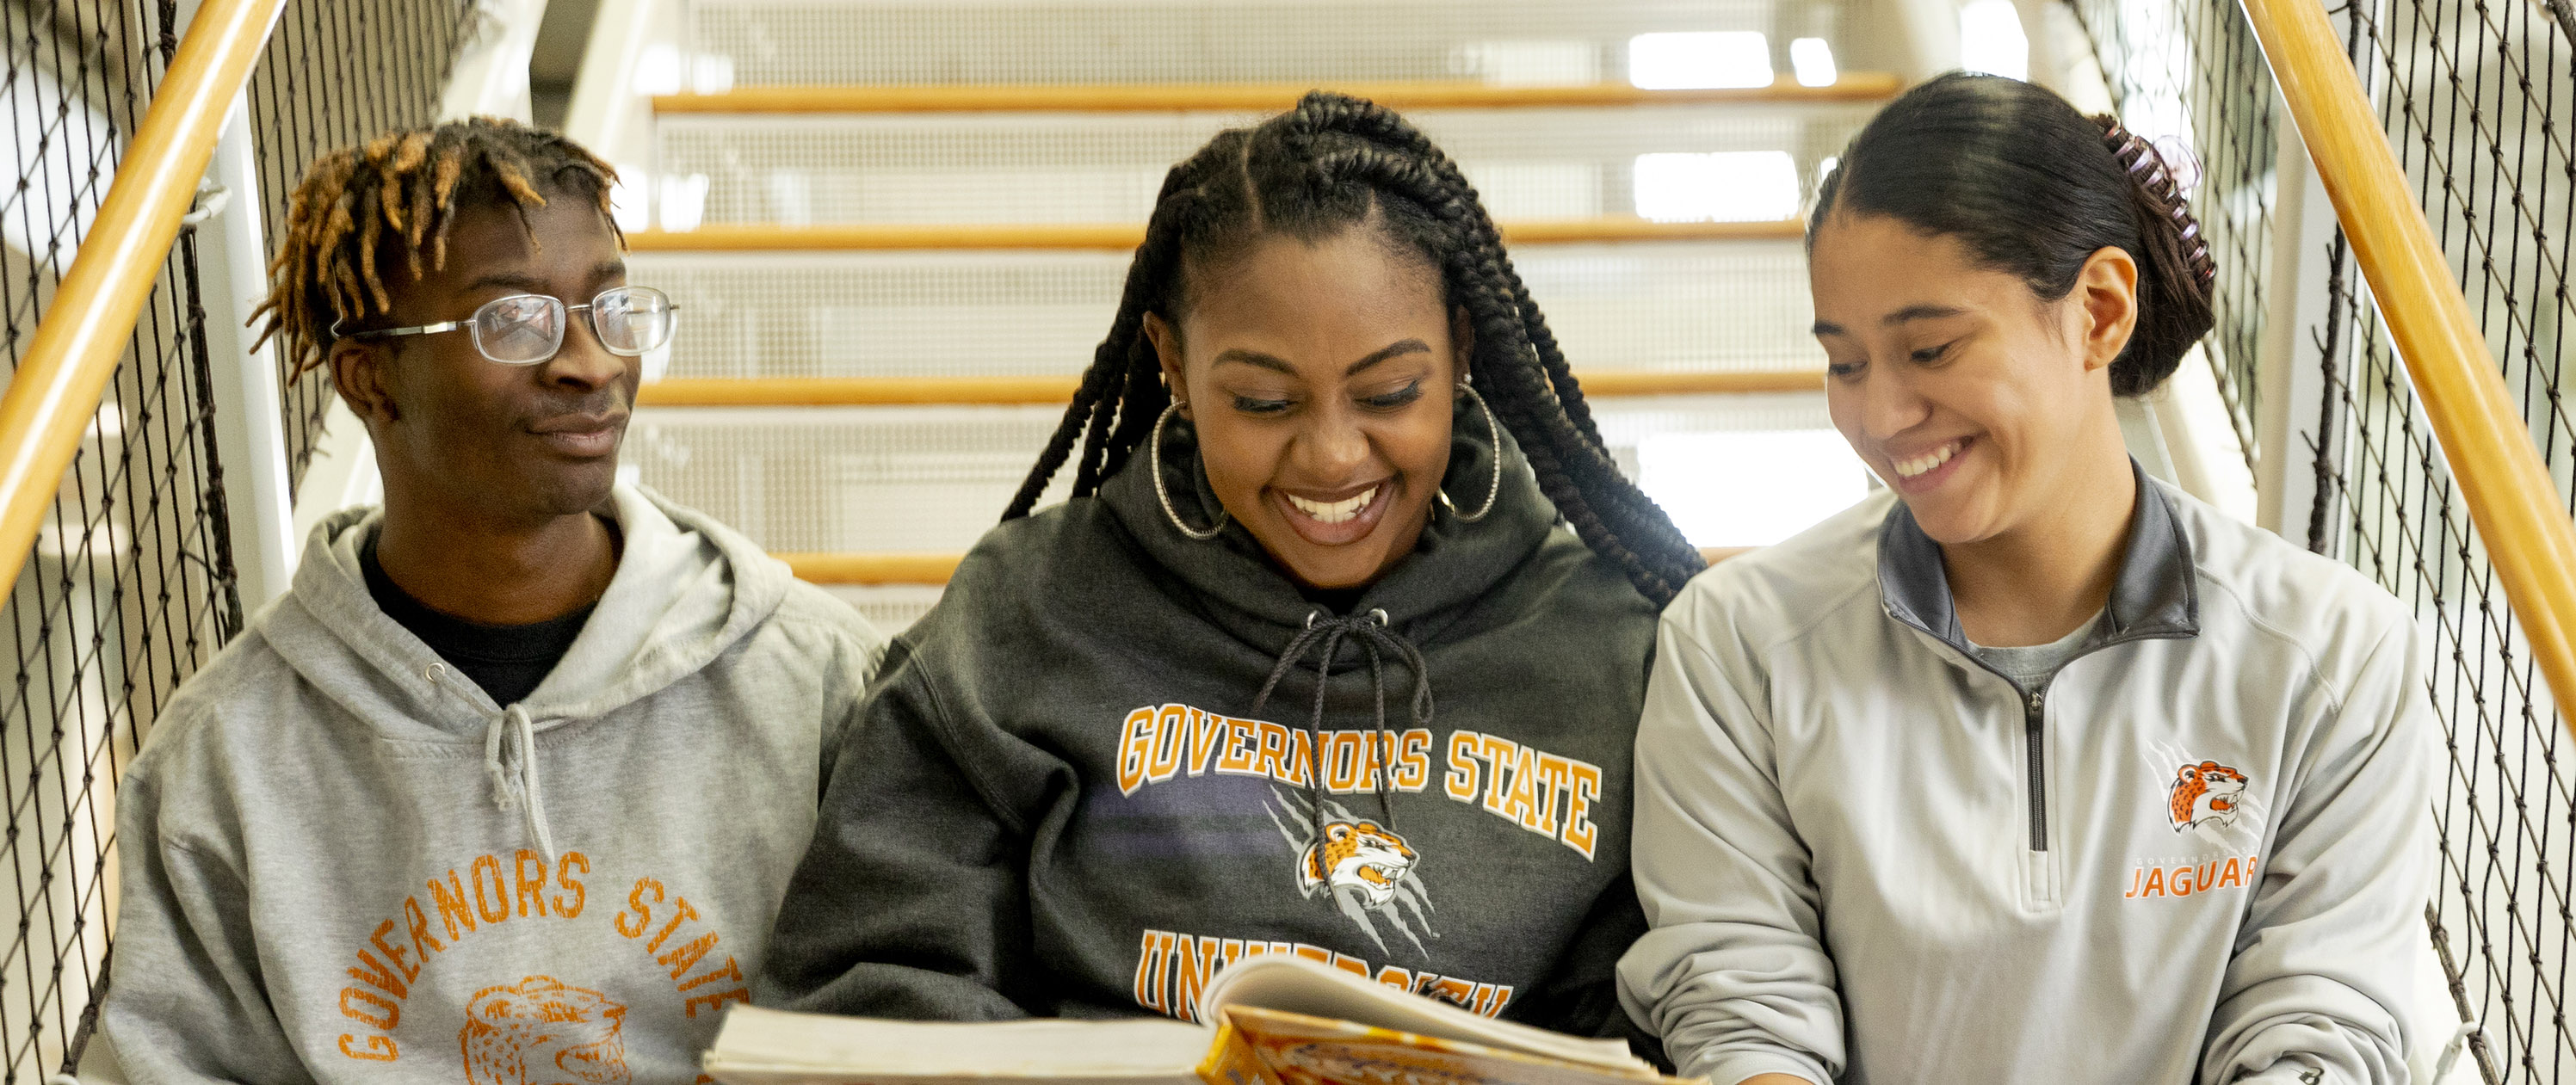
[2157, 594]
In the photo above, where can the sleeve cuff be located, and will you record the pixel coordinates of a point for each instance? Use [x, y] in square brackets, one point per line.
[1731, 1067]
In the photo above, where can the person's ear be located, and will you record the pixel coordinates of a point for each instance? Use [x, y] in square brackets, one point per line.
[1167, 350]
[360, 373]
[1462, 343]
[2107, 292]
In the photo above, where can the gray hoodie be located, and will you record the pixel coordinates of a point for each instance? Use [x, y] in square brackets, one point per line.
[342, 861]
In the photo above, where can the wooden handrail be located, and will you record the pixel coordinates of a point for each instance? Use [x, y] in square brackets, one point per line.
[1121, 236]
[74, 352]
[1009, 390]
[2507, 486]
[1249, 97]
[894, 567]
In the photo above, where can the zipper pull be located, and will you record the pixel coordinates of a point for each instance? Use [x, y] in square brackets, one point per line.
[2035, 697]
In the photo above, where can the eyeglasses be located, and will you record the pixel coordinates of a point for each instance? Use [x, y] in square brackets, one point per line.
[525, 329]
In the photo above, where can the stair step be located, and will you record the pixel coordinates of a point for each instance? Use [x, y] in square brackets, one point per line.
[935, 478]
[907, 391]
[778, 42]
[856, 237]
[1870, 87]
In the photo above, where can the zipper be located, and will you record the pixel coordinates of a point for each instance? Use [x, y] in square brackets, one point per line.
[2033, 716]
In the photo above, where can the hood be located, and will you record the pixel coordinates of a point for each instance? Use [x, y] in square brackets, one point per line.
[685, 590]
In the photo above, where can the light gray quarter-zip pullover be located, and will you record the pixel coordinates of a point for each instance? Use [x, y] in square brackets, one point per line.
[343, 862]
[2199, 851]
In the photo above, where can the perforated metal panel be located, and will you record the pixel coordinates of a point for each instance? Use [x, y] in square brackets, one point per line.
[1199, 41]
[1660, 305]
[936, 478]
[1106, 167]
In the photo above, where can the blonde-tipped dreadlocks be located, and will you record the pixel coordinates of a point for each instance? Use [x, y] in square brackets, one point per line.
[400, 192]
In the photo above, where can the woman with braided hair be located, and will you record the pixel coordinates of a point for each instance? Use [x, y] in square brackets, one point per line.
[1311, 661]
[2029, 768]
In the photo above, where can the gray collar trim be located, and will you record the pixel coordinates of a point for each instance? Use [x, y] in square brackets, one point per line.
[2157, 594]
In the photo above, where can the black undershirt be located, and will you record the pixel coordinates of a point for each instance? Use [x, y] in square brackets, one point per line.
[1337, 600]
[508, 661]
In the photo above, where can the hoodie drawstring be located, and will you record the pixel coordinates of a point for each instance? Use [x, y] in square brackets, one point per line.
[1371, 631]
[517, 789]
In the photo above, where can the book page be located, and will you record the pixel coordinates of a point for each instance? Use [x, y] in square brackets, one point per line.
[771, 1047]
[1299, 986]
[1301, 1050]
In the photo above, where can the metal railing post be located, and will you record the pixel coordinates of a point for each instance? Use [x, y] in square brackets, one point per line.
[250, 430]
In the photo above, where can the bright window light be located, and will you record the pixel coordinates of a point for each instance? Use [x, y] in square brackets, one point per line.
[1991, 39]
[1697, 59]
[1813, 60]
[1749, 487]
[1724, 186]
[683, 201]
[1825, 168]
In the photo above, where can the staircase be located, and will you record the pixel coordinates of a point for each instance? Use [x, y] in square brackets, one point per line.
[899, 229]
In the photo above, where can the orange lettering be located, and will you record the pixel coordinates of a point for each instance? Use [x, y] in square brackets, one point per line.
[2206, 877]
[483, 904]
[636, 907]
[392, 1010]
[2134, 875]
[1150, 959]
[2155, 882]
[681, 912]
[1194, 962]
[452, 906]
[1580, 834]
[2180, 883]
[1398, 978]
[1134, 742]
[730, 971]
[1415, 767]
[2232, 874]
[687, 957]
[563, 877]
[1554, 776]
[379, 1048]
[1352, 965]
[1497, 754]
[1171, 737]
[1522, 804]
[1273, 750]
[531, 890]
[1463, 770]
[410, 969]
[738, 994]
[376, 975]
[1240, 739]
[1340, 760]
[422, 942]
[1207, 735]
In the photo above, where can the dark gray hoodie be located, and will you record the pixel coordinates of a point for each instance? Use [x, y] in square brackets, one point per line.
[1065, 796]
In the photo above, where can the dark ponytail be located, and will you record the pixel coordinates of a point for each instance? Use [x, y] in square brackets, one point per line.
[2034, 188]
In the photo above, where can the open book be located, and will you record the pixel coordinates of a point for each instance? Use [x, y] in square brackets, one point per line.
[1278, 1021]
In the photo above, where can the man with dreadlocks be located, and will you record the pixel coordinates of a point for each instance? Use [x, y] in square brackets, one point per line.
[1189, 714]
[514, 776]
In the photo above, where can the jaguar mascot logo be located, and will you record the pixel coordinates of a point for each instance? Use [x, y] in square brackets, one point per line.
[1356, 856]
[1364, 868]
[2208, 794]
[540, 1032]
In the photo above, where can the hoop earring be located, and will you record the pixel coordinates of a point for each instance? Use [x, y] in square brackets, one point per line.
[1493, 489]
[1155, 454]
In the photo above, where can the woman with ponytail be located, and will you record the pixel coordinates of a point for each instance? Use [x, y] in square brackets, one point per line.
[2030, 768]
[1337, 649]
